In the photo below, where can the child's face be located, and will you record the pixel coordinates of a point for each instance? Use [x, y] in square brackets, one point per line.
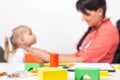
[29, 38]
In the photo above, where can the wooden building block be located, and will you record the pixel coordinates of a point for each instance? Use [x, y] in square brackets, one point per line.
[61, 64]
[52, 73]
[31, 66]
[116, 66]
[29, 58]
[89, 73]
[54, 60]
[103, 73]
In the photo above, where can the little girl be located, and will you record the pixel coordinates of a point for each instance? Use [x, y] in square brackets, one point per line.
[22, 37]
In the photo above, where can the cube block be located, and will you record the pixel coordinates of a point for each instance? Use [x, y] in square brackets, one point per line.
[52, 73]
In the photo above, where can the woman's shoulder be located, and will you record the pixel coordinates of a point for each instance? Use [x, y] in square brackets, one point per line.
[108, 26]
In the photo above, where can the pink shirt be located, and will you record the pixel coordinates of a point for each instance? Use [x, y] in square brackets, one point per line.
[100, 44]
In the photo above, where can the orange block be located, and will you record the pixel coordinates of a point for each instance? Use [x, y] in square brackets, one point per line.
[29, 58]
[54, 60]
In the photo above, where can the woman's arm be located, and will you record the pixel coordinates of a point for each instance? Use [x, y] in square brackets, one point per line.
[45, 55]
[70, 58]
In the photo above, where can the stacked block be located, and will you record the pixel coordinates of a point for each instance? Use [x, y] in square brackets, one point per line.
[52, 73]
[31, 66]
[91, 73]
[29, 58]
[61, 64]
[32, 62]
[54, 60]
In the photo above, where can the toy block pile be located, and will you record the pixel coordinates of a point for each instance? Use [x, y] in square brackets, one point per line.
[32, 62]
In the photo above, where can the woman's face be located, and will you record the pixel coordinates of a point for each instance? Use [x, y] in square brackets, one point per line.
[93, 18]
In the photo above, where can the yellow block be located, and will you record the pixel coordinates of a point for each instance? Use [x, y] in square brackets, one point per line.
[52, 73]
[103, 73]
[116, 66]
[34, 71]
[61, 64]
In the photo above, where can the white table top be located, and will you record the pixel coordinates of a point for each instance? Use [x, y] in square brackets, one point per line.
[9, 67]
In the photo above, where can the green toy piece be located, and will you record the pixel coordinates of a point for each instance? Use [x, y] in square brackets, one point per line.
[31, 66]
[87, 73]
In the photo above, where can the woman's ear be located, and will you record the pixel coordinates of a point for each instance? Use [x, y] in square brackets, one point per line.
[100, 11]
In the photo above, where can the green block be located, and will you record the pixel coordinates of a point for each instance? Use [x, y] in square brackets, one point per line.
[92, 73]
[30, 66]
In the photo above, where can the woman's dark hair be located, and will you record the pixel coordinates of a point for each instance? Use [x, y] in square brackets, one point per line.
[116, 58]
[118, 25]
[83, 37]
[82, 5]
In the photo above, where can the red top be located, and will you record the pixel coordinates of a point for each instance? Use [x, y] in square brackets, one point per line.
[100, 44]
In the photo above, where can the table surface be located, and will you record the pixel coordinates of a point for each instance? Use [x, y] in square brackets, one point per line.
[13, 67]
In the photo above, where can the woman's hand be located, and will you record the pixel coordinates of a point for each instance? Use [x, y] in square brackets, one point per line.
[42, 54]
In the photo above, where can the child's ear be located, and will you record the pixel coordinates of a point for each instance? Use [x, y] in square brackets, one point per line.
[20, 41]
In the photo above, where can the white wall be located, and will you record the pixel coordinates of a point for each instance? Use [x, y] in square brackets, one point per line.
[56, 23]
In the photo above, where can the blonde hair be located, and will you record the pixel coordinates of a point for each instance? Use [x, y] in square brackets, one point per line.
[18, 32]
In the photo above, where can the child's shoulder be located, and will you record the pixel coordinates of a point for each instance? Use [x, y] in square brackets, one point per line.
[21, 50]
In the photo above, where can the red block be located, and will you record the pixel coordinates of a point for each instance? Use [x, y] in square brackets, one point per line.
[29, 58]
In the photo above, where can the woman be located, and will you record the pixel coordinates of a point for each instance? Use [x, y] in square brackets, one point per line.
[100, 41]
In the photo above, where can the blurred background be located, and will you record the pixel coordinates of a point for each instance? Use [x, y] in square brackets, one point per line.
[56, 23]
